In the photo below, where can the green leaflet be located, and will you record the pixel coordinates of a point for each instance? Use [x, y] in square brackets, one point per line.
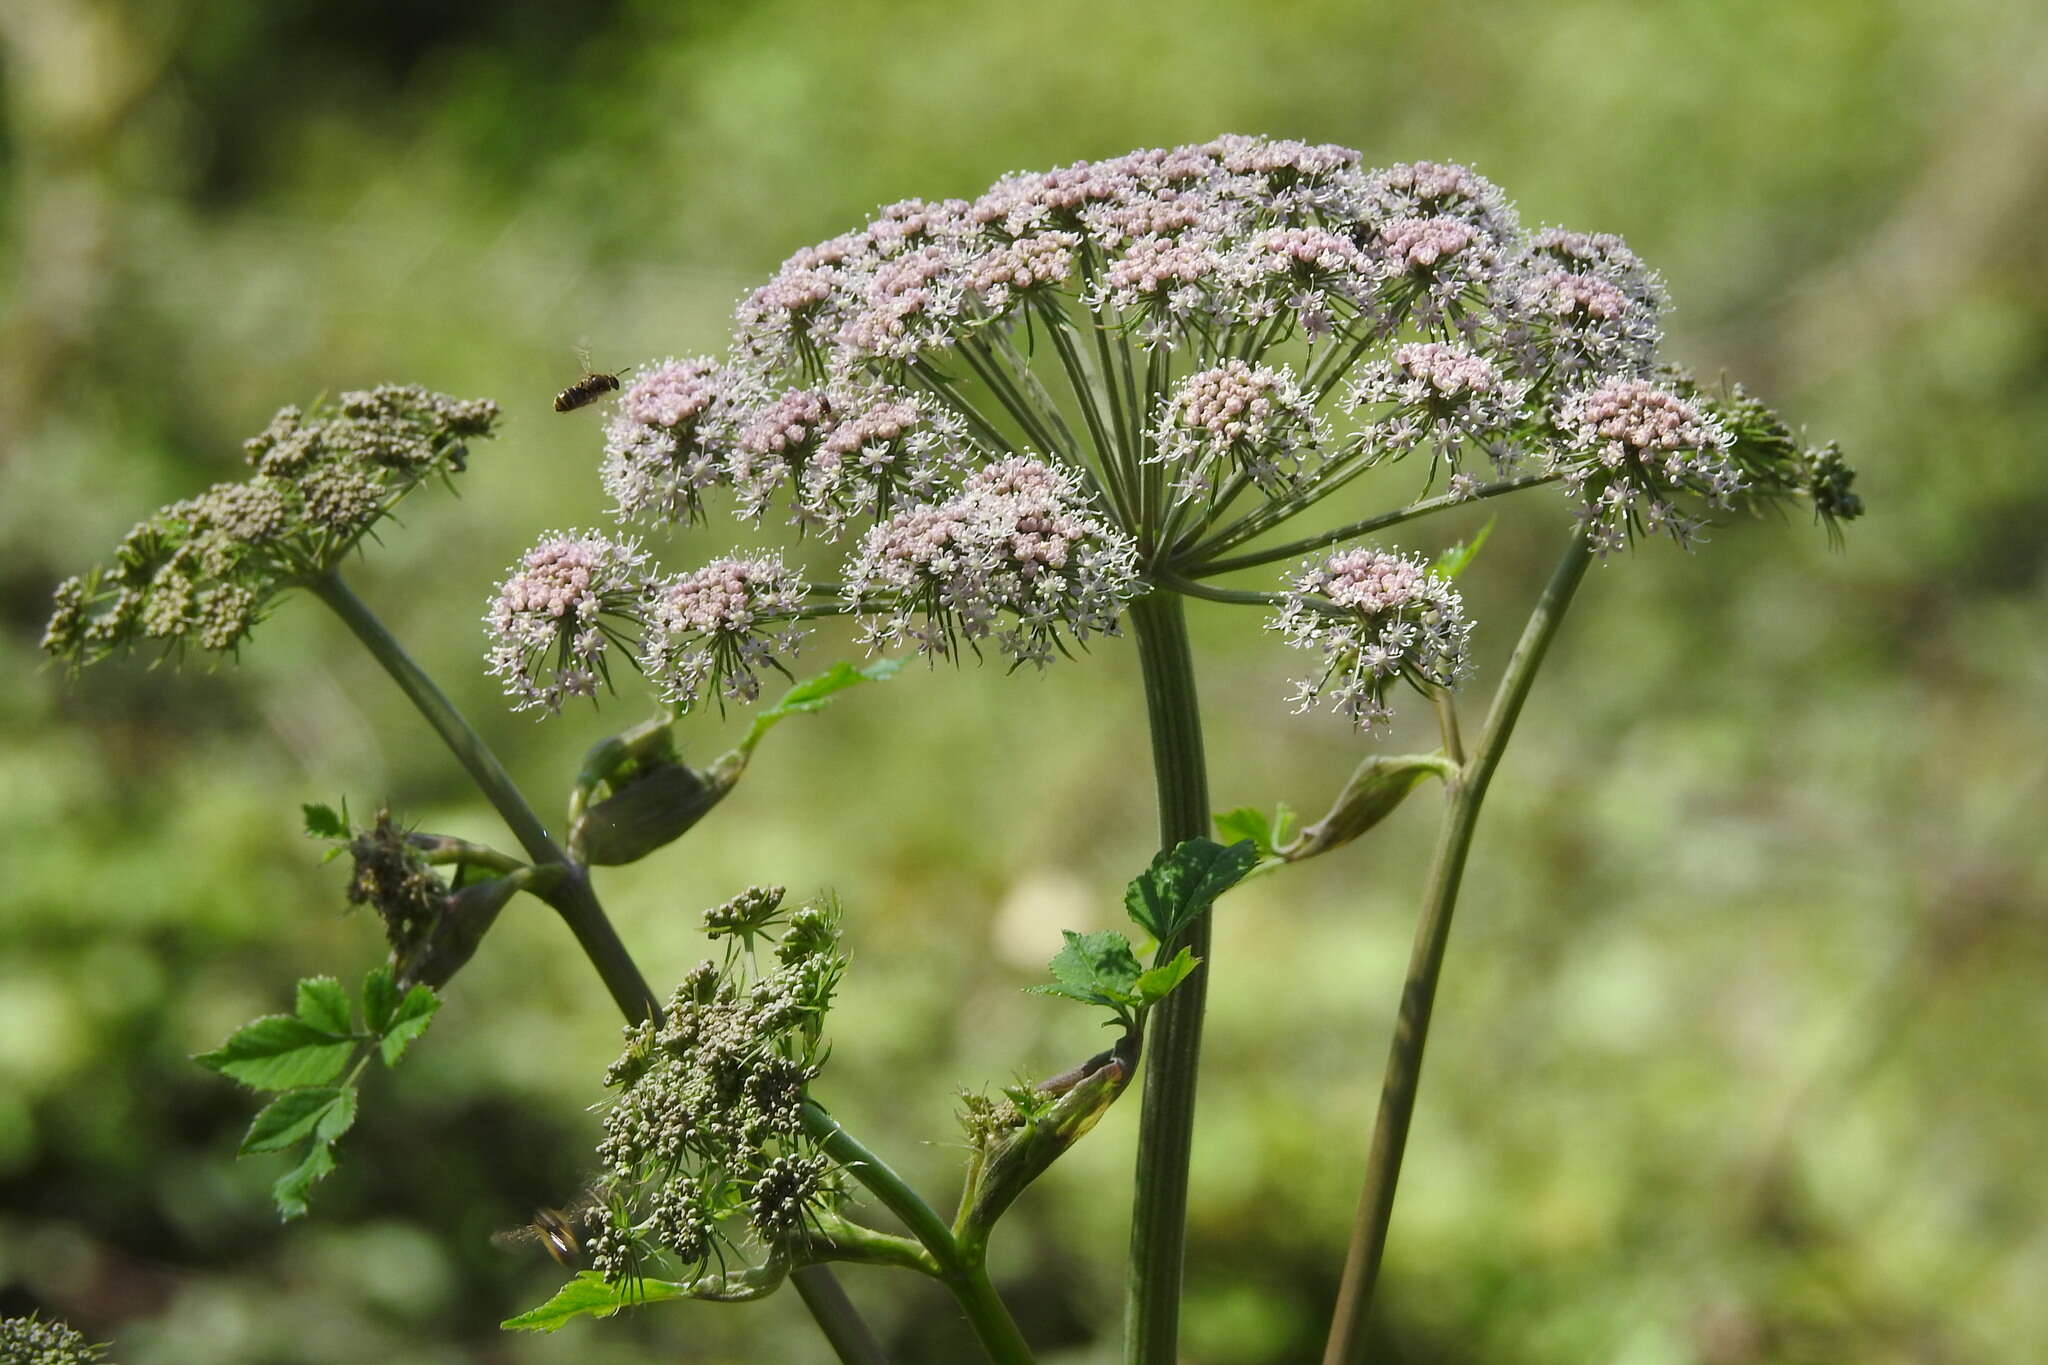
[324, 1004]
[414, 1013]
[280, 1052]
[1184, 882]
[589, 1296]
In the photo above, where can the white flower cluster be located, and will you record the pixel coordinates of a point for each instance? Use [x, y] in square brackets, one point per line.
[1628, 445]
[1017, 540]
[1375, 617]
[1204, 312]
[1254, 420]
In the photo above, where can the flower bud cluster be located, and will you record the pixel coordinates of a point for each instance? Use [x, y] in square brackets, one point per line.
[1628, 446]
[576, 596]
[1443, 397]
[711, 631]
[566, 602]
[1252, 420]
[202, 571]
[33, 1341]
[1017, 540]
[704, 1141]
[1375, 617]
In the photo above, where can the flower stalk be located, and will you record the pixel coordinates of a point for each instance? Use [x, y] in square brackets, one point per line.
[571, 897]
[960, 1267]
[1166, 1123]
[1465, 790]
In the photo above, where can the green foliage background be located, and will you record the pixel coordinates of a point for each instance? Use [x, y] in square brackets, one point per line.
[1744, 1027]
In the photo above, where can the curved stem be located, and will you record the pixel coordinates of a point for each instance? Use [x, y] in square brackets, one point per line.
[1464, 793]
[571, 897]
[455, 731]
[1166, 1124]
[966, 1278]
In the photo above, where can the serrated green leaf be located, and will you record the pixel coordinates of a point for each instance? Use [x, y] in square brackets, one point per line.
[1246, 823]
[1459, 557]
[324, 1004]
[279, 1052]
[1154, 985]
[415, 1012]
[340, 1116]
[324, 822]
[292, 1188]
[288, 1118]
[1096, 969]
[380, 999]
[1183, 883]
[589, 1296]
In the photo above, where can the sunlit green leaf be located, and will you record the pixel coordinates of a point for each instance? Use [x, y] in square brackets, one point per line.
[1247, 823]
[812, 693]
[279, 1052]
[589, 1296]
[1096, 969]
[291, 1190]
[324, 1004]
[288, 1118]
[1155, 984]
[1459, 557]
[415, 1012]
[1183, 883]
[324, 822]
[380, 999]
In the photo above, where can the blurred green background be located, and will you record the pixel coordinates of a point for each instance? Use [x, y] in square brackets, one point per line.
[1743, 1042]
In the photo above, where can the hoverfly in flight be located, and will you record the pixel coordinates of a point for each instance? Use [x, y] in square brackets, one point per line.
[588, 389]
[558, 1232]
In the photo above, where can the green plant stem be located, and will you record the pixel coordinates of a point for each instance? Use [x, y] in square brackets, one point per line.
[1464, 791]
[572, 897]
[965, 1276]
[1166, 1125]
[837, 1318]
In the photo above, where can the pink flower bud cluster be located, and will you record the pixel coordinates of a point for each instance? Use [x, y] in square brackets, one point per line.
[556, 616]
[1442, 396]
[1586, 303]
[1375, 617]
[665, 446]
[1252, 420]
[1628, 446]
[1018, 541]
[711, 632]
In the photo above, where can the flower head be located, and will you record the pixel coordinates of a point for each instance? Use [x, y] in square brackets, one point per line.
[704, 1140]
[1587, 303]
[558, 613]
[664, 445]
[1017, 555]
[711, 631]
[202, 571]
[34, 1341]
[1375, 617]
[1254, 420]
[1444, 397]
[1629, 447]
